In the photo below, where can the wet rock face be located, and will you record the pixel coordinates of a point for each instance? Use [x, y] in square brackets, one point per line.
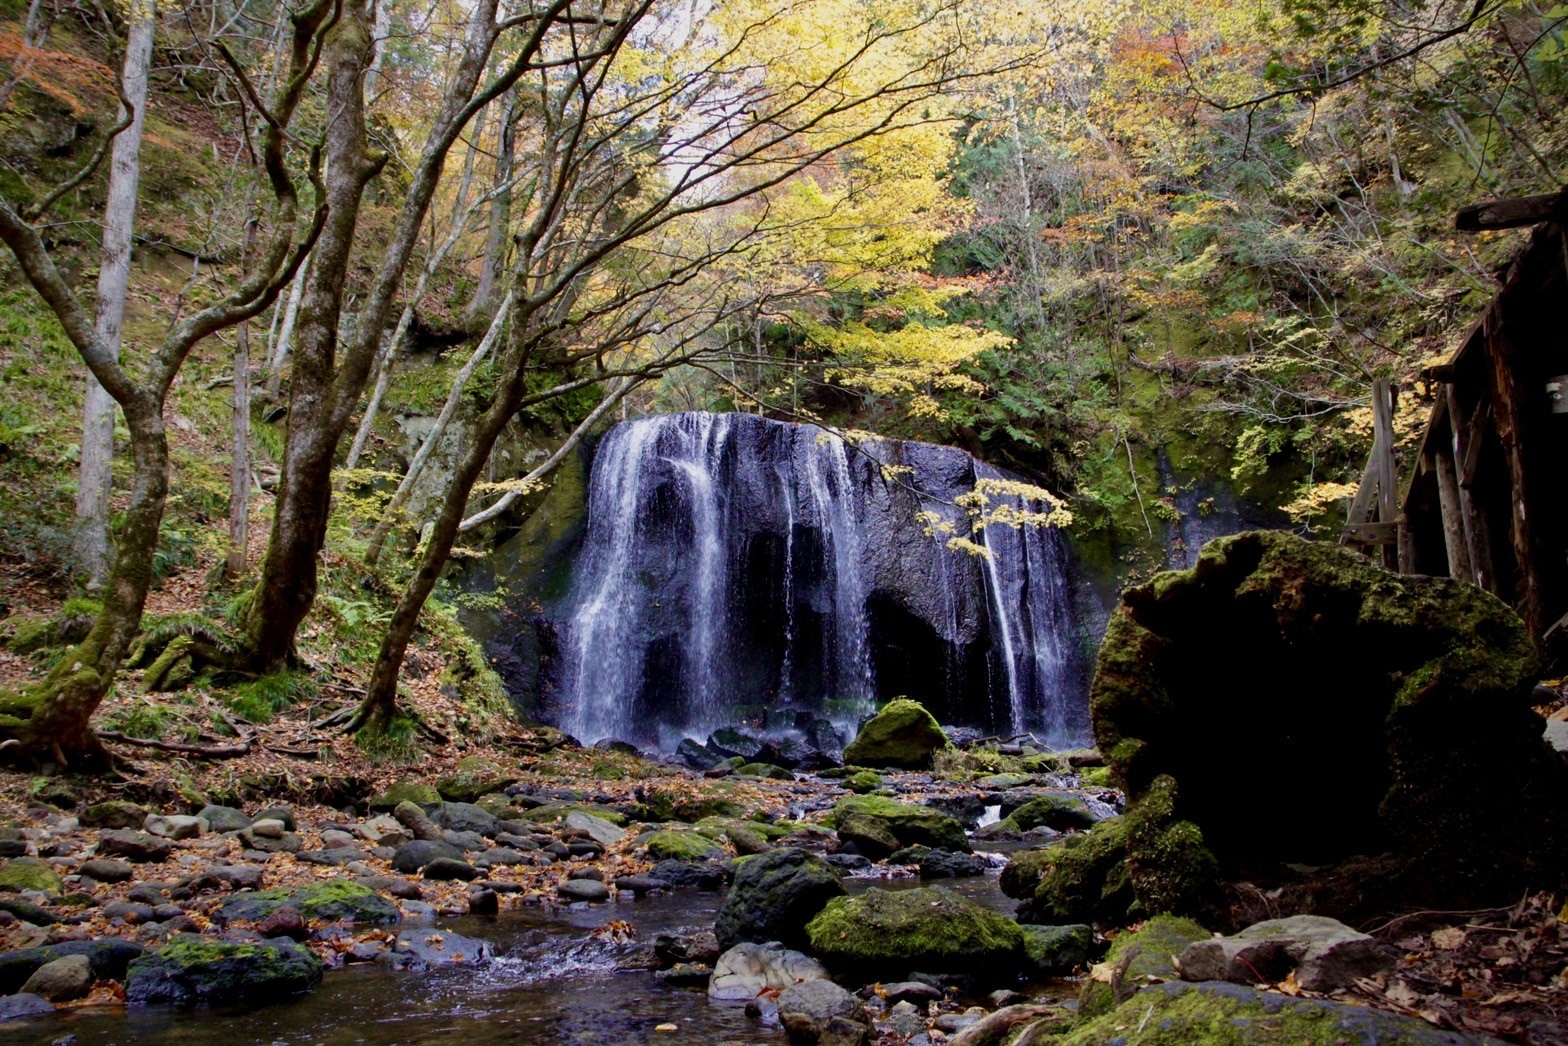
[1306, 707]
[722, 563]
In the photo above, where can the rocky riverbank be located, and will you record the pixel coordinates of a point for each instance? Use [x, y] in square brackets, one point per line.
[845, 914]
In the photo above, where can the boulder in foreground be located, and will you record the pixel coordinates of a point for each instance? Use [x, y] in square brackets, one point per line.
[903, 735]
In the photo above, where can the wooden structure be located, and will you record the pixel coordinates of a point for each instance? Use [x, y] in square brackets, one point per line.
[1487, 496]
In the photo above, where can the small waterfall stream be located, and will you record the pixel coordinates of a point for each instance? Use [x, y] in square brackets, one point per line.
[735, 568]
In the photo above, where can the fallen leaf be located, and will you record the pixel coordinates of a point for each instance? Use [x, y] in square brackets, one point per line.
[1449, 938]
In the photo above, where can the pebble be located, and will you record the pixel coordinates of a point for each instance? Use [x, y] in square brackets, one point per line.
[268, 828]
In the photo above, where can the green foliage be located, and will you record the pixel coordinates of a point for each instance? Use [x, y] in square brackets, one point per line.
[258, 700]
[395, 744]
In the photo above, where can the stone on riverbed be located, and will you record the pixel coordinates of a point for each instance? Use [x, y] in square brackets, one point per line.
[1324, 954]
[28, 873]
[1055, 951]
[1149, 952]
[175, 826]
[421, 950]
[748, 969]
[910, 825]
[190, 970]
[903, 734]
[116, 813]
[929, 929]
[108, 958]
[224, 818]
[584, 890]
[331, 901]
[413, 856]
[820, 1012]
[24, 1007]
[774, 895]
[944, 864]
[61, 980]
[599, 830]
[1062, 811]
[134, 846]
[681, 846]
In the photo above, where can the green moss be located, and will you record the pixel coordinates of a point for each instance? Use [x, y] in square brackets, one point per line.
[31, 634]
[1021, 878]
[331, 901]
[901, 734]
[765, 770]
[258, 700]
[407, 790]
[475, 776]
[1226, 1015]
[1148, 952]
[1059, 810]
[922, 929]
[28, 873]
[910, 824]
[863, 782]
[664, 801]
[1096, 777]
[681, 846]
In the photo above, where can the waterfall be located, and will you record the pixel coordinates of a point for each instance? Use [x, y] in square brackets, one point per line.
[735, 568]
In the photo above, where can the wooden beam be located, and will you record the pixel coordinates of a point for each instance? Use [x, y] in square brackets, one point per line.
[1383, 449]
[1510, 214]
[1510, 415]
[1385, 534]
[1450, 507]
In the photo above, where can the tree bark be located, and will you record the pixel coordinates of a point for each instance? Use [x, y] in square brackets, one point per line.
[496, 237]
[288, 582]
[239, 455]
[95, 478]
[322, 395]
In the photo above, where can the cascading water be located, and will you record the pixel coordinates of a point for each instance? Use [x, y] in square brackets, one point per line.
[738, 568]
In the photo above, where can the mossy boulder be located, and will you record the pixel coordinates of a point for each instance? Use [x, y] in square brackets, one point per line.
[903, 734]
[911, 825]
[1062, 811]
[671, 845]
[1126, 868]
[191, 969]
[474, 776]
[115, 813]
[1055, 951]
[28, 873]
[1218, 1014]
[1021, 878]
[774, 896]
[1312, 709]
[765, 770]
[331, 901]
[890, 932]
[670, 801]
[552, 812]
[864, 781]
[408, 790]
[1147, 952]
[870, 836]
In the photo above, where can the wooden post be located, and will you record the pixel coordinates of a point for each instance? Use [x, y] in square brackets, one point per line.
[1450, 505]
[1383, 454]
[1511, 421]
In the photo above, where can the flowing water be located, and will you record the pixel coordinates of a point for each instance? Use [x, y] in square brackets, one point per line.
[553, 981]
[733, 565]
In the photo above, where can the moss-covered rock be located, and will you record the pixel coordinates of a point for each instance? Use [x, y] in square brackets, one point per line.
[903, 734]
[28, 873]
[909, 824]
[1096, 777]
[929, 928]
[190, 969]
[1128, 868]
[1150, 951]
[766, 770]
[474, 776]
[1062, 811]
[1218, 1014]
[1055, 951]
[552, 812]
[115, 813]
[1021, 878]
[869, 836]
[773, 897]
[668, 801]
[332, 901]
[1278, 667]
[681, 846]
[863, 782]
[408, 790]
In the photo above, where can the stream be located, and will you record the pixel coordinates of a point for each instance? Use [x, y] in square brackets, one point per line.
[552, 981]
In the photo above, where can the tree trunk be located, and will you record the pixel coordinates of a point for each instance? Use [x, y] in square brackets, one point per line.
[279, 350]
[322, 400]
[304, 496]
[95, 478]
[55, 716]
[239, 456]
[496, 237]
